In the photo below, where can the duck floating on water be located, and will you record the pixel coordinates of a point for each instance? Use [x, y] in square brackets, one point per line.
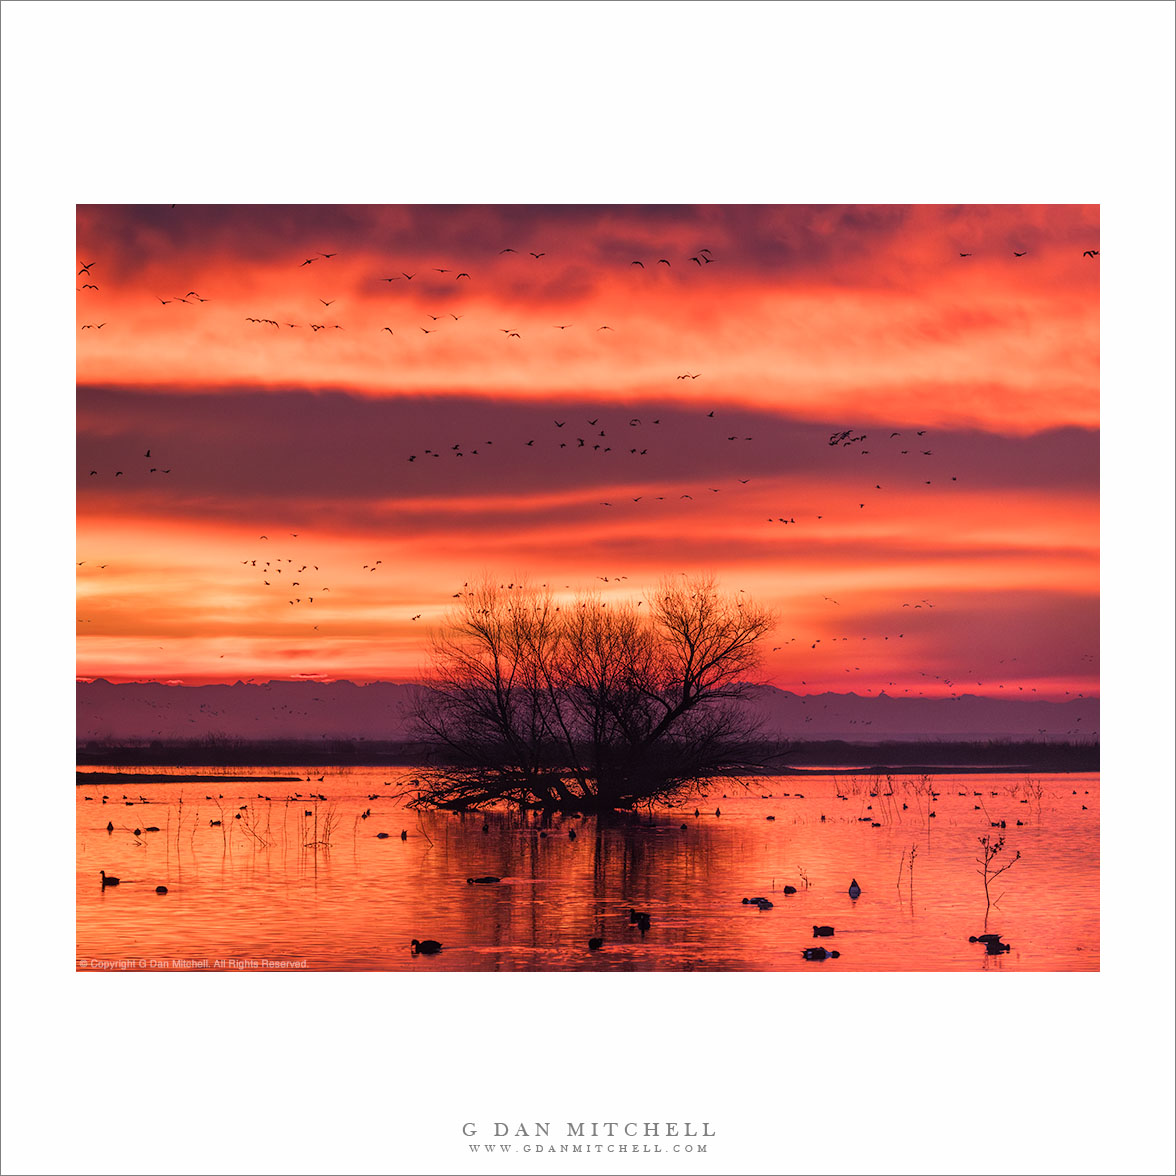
[854, 889]
[484, 881]
[817, 931]
[595, 944]
[107, 880]
[992, 943]
[425, 947]
[819, 953]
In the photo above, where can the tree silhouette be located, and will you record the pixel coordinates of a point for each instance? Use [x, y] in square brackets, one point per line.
[590, 705]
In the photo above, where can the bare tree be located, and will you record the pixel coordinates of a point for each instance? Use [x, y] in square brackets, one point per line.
[587, 705]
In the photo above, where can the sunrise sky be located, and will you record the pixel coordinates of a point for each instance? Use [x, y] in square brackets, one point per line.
[947, 542]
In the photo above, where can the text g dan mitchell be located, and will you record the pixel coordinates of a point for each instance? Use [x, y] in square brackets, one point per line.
[610, 1129]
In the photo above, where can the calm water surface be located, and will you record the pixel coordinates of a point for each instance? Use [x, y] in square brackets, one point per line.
[306, 882]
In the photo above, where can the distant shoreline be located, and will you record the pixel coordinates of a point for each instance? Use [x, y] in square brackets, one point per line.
[816, 757]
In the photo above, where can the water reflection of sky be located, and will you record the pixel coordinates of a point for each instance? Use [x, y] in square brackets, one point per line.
[256, 888]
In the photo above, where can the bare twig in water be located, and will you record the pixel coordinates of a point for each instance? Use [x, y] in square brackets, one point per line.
[991, 849]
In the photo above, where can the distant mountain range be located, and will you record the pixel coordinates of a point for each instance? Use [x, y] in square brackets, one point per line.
[143, 712]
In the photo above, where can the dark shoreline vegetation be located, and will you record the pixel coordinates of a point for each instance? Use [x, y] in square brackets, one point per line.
[993, 755]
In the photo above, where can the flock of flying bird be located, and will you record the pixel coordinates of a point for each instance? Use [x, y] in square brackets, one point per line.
[596, 441]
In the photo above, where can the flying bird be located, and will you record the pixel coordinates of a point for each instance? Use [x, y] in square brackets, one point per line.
[538, 255]
[662, 261]
[461, 276]
[1085, 253]
[326, 303]
[640, 263]
[965, 255]
[1022, 254]
[86, 268]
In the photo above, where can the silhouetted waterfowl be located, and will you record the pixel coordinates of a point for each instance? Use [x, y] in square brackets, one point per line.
[488, 878]
[152, 829]
[854, 888]
[572, 834]
[789, 889]
[381, 836]
[106, 879]
[109, 827]
[425, 947]
[595, 944]
[821, 931]
[161, 890]
[214, 822]
[403, 834]
[718, 812]
[819, 953]
[988, 937]
[642, 923]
